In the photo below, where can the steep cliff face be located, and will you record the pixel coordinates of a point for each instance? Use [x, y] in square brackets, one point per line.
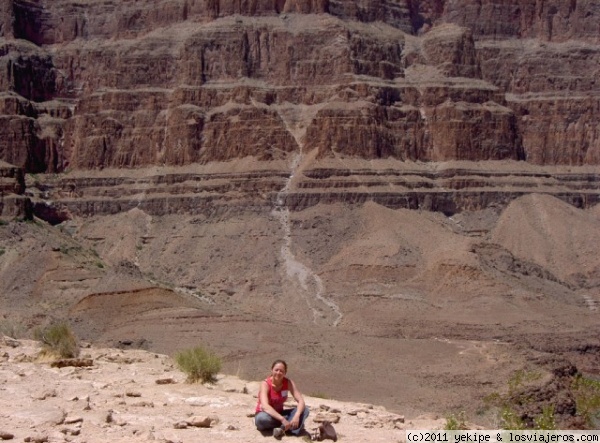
[544, 55]
[260, 154]
[174, 82]
[547, 20]
[12, 185]
[127, 78]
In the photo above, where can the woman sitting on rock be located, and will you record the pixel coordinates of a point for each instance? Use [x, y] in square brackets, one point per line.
[270, 413]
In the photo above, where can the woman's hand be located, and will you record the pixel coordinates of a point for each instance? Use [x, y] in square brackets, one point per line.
[295, 423]
[286, 424]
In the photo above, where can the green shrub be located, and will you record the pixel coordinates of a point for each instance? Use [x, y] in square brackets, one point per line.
[510, 419]
[11, 329]
[510, 405]
[58, 340]
[546, 420]
[587, 399]
[456, 422]
[199, 364]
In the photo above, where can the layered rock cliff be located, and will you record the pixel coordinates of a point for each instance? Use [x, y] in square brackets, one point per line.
[176, 82]
[12, 186]
[357, 170]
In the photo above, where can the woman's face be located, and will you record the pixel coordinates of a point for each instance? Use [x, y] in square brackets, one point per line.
[278, 371]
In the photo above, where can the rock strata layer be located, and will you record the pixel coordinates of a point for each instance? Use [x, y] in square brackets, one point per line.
[216, 194]
[132, 84]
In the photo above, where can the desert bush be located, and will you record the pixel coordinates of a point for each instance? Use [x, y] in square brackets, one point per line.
[587, 399]
[456, 422]
[511, 404]
[546, 421]
[510, 419]
[199, 364]
[11, 329]
[58, 340]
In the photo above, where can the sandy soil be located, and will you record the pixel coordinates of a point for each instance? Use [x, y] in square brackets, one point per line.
[119, 399]
[411, 310]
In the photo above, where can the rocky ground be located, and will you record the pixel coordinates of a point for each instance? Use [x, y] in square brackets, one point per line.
[399, 198]
[139, 396]
[413, 310]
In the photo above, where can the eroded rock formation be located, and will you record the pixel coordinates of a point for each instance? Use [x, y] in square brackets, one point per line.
[178, 82]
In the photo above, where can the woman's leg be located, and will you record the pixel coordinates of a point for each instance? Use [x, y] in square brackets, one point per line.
[265, 422]
[289, 413]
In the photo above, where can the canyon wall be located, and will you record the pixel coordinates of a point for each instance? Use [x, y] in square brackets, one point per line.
[136, 84]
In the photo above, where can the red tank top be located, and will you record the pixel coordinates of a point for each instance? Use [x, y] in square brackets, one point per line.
[276, 399]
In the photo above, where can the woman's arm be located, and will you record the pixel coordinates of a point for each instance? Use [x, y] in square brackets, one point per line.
[295, 422]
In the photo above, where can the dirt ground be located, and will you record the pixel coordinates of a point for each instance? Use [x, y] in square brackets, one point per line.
[139, 396]
[412, 310]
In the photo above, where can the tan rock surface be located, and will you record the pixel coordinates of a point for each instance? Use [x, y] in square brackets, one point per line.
[92, 404]
[344, 183]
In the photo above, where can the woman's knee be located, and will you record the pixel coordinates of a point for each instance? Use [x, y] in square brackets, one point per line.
[305, 412]
[264, 421]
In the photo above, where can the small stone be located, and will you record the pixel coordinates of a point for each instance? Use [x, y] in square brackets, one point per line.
[358, 411]
[181, 425]
[133, 394]
[22, 358]
[201, 421]
[143, 404]
[71, 420]
[75, 362]
[71, 431]
[11, 342]
[326, 416]
[46, 394]
[399, 419]
[6, 435]
[145, 436]
[165, 381]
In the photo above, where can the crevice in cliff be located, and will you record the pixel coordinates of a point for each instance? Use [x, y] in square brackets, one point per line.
[590, 302]
[304, 280]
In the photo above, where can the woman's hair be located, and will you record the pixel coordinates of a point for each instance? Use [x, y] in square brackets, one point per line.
[280, 361]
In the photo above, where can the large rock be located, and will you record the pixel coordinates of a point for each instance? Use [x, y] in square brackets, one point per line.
[546, 19]
[13, 204]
